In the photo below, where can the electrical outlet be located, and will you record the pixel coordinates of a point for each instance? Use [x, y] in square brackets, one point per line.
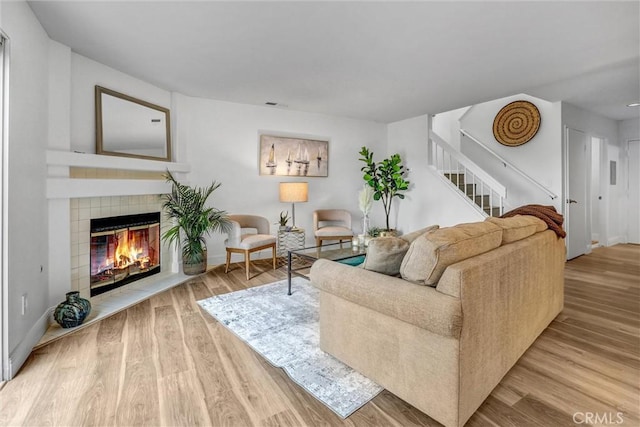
[25, 304]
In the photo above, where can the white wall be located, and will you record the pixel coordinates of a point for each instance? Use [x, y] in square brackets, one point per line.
[85, 75]
[28, 130]
[447, 125]
[540, 158]
[430, 200]
[222, 145]
[629, 129]
[614, 196]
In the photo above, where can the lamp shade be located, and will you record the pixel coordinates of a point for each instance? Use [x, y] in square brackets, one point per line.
[294, 192]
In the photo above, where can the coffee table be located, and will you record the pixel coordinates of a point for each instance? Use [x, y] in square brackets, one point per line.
[333, 252]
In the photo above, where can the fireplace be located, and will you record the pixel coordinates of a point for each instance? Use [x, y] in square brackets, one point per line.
[123, 249]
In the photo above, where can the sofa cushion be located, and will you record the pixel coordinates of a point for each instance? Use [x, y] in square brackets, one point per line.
[518, 227]
[333, 231]
[430, 254]
[421, 306]
[385, 254]
[410, 237]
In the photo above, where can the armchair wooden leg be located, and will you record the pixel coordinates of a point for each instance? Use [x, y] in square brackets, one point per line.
[226, 268]
[318, 242]
[247, 261]
[273, 252]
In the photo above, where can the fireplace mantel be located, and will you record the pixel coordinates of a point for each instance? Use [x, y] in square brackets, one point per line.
[60, 186]
[112, 188]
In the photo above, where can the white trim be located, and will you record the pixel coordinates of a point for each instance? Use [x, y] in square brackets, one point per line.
[23, 350]
[98, 161]
[4, 206]
[616, 240]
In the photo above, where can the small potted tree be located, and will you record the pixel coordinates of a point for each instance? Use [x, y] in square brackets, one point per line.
[192, 220]
[386, 178]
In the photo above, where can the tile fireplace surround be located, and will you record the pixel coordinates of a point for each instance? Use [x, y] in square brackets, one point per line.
[86, 186]
[82, 211]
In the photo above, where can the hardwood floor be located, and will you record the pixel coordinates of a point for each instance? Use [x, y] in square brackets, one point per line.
[166, 362]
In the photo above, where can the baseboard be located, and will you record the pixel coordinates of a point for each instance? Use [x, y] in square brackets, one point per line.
[616, 240]
[20, 354]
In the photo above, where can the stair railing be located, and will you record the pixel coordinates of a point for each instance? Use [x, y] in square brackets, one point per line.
[485, 193]
[510, 165]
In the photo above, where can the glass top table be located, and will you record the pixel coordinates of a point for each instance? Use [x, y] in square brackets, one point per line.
[334, 252]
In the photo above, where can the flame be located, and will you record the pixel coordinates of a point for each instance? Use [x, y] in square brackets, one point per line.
[129, 250]
[124, 253]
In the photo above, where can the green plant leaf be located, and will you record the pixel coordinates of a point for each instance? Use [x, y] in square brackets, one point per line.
[192, 219]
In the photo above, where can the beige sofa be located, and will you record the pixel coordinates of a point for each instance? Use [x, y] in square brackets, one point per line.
[443, 339]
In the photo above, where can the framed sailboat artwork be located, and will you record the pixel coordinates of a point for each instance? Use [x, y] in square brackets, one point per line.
[292, 156]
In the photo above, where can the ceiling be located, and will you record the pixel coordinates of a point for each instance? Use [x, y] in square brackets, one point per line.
[381, 61]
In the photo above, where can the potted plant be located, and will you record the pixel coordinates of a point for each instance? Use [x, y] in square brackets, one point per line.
[192, 220]
[284, 219]
[386, 178]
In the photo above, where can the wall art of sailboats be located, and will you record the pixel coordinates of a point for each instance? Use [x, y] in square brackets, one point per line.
[271, 161]
[302, 157]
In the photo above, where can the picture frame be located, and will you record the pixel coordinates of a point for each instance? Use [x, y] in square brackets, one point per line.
[293, 156]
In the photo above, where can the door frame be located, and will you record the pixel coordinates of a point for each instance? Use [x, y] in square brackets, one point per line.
[604, 188]
[4, 205]
[628, 179]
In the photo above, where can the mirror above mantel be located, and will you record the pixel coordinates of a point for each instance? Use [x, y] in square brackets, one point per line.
[130, 127]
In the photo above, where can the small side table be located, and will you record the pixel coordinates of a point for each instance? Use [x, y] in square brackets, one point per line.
[290, 241]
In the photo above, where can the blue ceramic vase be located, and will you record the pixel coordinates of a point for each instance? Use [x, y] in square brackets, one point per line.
[73, 311]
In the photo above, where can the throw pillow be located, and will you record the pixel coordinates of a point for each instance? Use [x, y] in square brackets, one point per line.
[430, 254]
[385, 254]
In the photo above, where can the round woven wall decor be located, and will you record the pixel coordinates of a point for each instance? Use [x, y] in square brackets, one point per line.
[516, 123]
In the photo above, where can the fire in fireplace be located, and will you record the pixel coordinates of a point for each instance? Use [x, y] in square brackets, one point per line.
[123, 249]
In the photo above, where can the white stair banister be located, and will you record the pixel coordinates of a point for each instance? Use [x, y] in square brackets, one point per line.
[470, 181]
[469, 165]
[510, 165]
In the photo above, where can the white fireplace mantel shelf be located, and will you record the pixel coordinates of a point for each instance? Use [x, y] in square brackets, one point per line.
[98, 161]
[63, 187]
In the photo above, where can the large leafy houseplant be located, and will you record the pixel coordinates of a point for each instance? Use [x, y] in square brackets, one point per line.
[192, 220]
[386, 178]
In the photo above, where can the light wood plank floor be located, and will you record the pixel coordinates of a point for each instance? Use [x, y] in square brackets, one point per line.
[165, 362]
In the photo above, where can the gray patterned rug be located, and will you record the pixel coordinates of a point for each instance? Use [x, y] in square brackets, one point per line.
[284, 330]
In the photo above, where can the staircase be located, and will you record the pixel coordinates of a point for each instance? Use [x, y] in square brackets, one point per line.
[472, 183]
[483, 201]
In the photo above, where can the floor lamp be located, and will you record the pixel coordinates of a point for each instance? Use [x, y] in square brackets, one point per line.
[292, 192]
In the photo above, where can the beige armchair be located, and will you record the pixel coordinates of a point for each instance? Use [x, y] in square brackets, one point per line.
[249, 233]
[332, 224]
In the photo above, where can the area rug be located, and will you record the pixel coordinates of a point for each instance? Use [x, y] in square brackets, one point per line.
[284, 330]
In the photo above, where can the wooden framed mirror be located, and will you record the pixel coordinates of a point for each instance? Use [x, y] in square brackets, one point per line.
[130, 127]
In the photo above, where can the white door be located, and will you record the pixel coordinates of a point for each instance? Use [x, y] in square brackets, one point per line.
[633, 230]
[576, 201]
